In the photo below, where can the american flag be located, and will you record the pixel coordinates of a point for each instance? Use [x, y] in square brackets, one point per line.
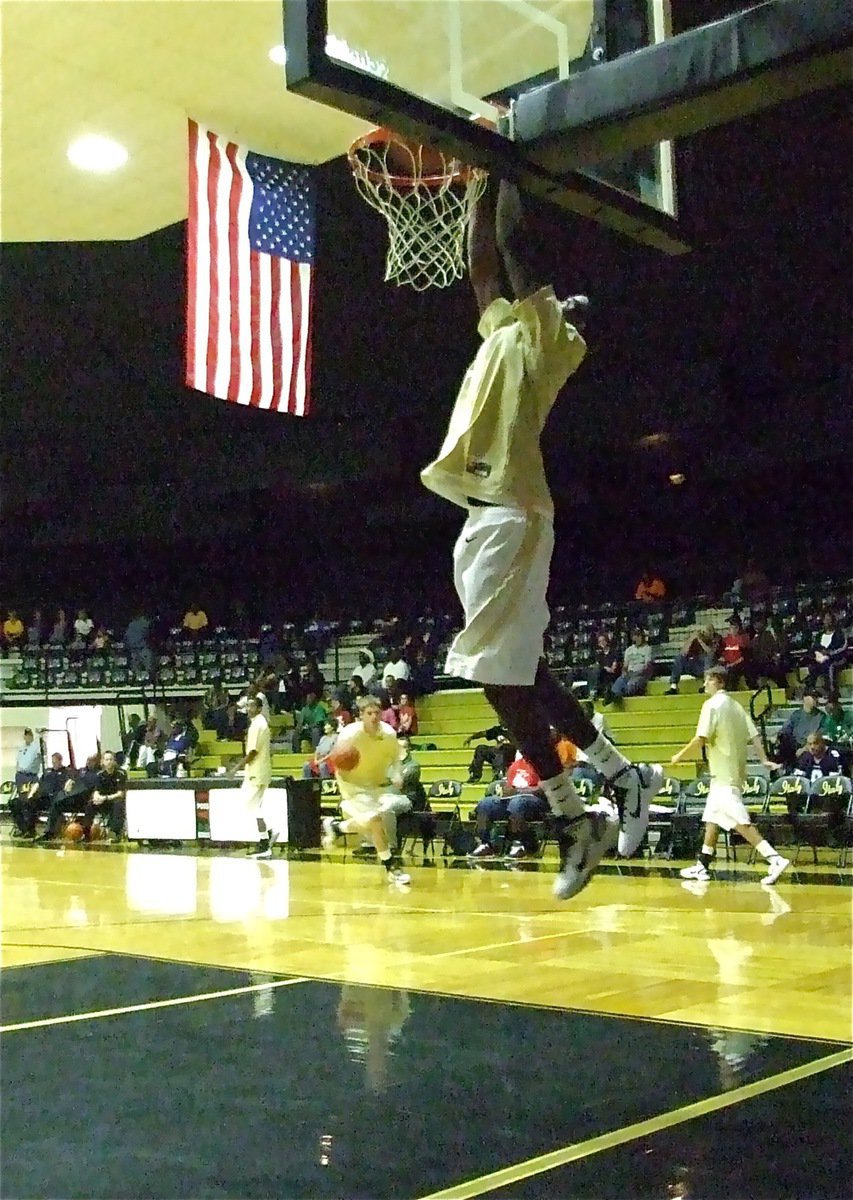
[250, 253]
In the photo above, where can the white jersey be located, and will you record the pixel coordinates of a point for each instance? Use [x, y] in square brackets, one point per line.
[379, 754]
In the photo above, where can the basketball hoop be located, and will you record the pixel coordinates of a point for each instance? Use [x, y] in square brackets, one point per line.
[425, 197]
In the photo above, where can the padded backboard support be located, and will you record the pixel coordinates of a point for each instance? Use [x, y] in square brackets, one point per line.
[705, 77]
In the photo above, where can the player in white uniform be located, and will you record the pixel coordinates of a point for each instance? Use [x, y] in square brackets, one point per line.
[368, 789]
[491, 465]
[258, 773]
[726, 730]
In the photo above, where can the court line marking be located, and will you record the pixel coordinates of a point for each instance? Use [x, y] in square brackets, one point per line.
[630, 1133]
[149, 1005]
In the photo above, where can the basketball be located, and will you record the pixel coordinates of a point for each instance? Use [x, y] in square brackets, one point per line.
[408, 158]
[73, 832]
[344, 758]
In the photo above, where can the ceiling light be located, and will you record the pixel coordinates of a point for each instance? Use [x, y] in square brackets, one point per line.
[676, 478]
[95, 152]
[278, 55]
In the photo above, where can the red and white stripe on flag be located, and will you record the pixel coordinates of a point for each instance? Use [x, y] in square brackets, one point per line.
[250, 243]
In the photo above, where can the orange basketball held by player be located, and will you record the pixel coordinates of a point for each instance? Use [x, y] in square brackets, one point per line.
[344, 757]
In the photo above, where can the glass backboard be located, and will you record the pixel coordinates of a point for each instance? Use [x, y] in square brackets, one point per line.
[444, 62]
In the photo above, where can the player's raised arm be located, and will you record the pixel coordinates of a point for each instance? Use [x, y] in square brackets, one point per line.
[484, 267]
[515, 241]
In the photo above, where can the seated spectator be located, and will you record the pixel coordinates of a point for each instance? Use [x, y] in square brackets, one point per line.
[637, 667]
[13, 631]
[366, 669]
[389, 715]
[101, 639]
[397, 666]
[817, 759]
[59, 632]
[700, 651]
[340, 715]
[150, 753]
[313, 679]
[827, 654]
[806, 720]
[422, 675]
[268, 645]
[753, 586]
[136, 641]
[317, 766]
[109, 798]
[83, 628]
[356, 691]
[41, 795]
[605, 669]
[195, 622]
[75, 797]
[767, 658]
[178, 749]
[498, 756]
[407, 717]
[35, 629]
[415, 792]
[734, 653]
[520, 804]
[310, 720]
[217, 710]
[651, 588]
[838, 723]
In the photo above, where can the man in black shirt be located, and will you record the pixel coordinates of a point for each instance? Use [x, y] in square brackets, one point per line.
[75, 796]
[109, 797]
[39, 798]
[498, 757]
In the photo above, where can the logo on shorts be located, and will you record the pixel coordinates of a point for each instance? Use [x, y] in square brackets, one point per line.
[476, 466]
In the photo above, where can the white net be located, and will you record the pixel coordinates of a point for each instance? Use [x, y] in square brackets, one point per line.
[425, 204]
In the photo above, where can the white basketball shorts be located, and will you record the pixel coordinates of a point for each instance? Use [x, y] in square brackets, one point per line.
[252, 795]
[366, 804]
[502, 561]
[725, 807]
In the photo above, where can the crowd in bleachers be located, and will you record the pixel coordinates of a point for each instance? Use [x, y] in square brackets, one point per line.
[198, 674]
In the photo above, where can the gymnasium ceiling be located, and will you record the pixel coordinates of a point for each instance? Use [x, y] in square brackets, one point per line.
[135, 70]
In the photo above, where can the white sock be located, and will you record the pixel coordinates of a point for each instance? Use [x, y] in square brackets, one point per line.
[347, 825]
[605, 757]
[384, 855]
[561, 796]
[766, 850]
[709, 850]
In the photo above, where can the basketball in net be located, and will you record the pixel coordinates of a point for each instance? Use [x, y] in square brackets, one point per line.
[425, 197]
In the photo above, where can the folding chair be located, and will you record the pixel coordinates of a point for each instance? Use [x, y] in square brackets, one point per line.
[846, 835]
[687, 817]
[823, 814]
[446, 823]
[661, 813]
[793, 790]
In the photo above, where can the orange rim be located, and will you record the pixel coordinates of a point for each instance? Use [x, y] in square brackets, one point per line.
[383, 136]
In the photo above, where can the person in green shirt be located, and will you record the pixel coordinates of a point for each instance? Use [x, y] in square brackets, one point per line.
[310, 720]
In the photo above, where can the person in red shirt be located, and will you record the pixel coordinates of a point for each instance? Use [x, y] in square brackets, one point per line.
[734, 653]
[407, 717]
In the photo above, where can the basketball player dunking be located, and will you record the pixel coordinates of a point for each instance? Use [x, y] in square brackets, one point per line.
[491, 465]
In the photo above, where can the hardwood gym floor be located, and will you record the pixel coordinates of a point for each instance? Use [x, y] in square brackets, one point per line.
[206, 1025]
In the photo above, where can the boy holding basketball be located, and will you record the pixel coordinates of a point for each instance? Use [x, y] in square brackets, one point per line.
[491, 465]
[367, 755]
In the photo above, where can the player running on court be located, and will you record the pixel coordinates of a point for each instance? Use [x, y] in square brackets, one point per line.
[368, 786]
[491, 465]
[725, 730]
